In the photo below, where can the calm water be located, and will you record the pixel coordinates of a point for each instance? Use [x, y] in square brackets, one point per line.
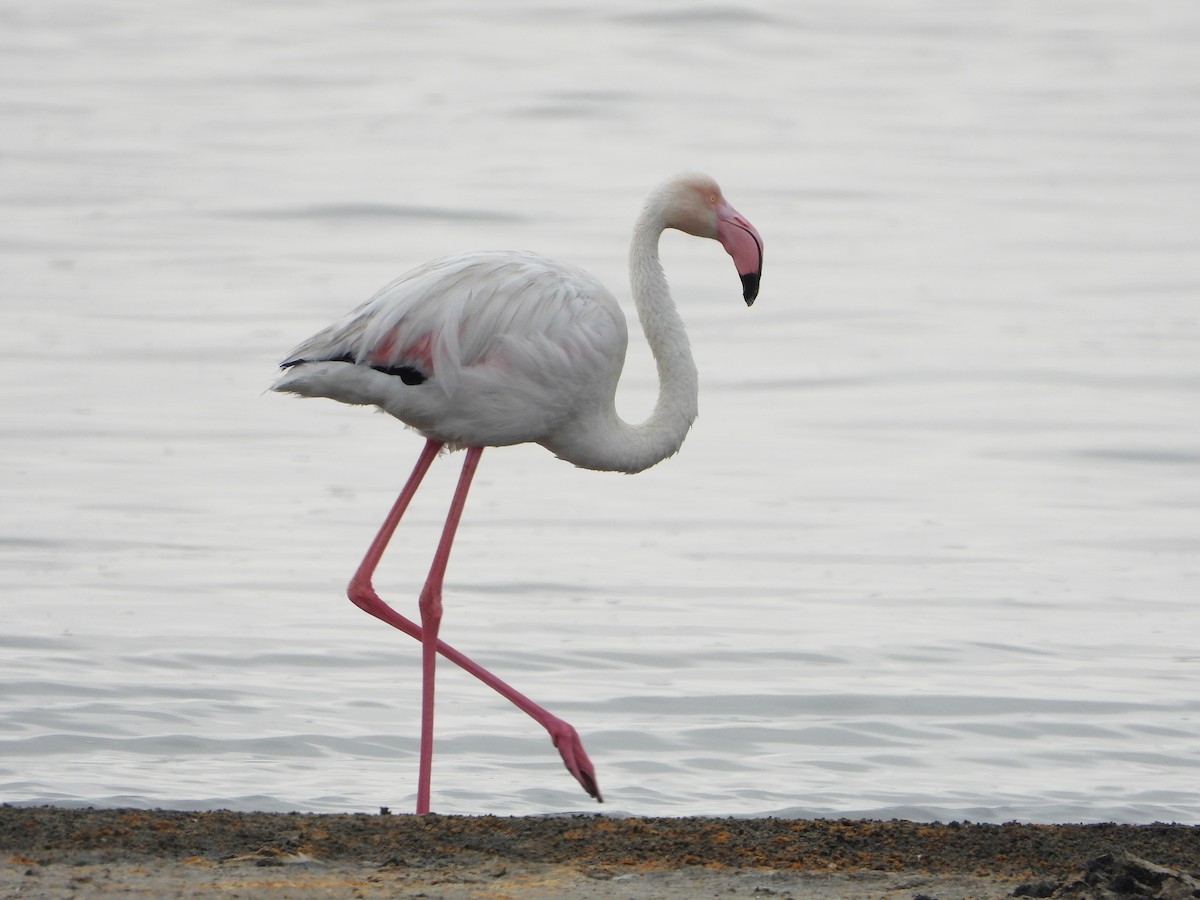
[932, 550]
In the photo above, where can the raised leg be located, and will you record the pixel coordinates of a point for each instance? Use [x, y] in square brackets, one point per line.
[363, 595]
[366, 569]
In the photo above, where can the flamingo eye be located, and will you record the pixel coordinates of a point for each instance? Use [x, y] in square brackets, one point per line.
[712, 198]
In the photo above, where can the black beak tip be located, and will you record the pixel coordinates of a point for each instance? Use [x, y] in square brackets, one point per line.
[750, 286]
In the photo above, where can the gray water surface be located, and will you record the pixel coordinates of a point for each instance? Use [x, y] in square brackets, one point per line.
[932, 549]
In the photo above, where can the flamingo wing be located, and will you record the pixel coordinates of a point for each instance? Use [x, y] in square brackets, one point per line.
[485, 348]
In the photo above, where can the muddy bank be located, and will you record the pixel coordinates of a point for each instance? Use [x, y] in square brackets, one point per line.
[60, 852]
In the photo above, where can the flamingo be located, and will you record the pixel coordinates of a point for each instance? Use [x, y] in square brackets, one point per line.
[499, 348]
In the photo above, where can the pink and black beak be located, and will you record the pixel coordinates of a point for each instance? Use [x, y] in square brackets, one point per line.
[742, 241]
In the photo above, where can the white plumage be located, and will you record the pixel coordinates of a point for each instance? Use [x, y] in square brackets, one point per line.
[510, 347]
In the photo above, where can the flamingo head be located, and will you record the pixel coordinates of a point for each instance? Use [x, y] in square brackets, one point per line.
[694, 204]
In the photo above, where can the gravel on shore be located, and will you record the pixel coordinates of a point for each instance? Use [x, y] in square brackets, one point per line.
[59, 852]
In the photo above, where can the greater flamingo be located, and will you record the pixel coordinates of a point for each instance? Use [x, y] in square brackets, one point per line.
[499, 348]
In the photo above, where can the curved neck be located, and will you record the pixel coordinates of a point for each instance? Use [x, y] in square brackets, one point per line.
[610, 443]
[678, 380]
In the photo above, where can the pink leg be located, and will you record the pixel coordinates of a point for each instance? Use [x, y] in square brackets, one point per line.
[431, 619]
[363, 595]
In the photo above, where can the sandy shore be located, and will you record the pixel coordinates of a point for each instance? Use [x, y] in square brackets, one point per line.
[50, 852]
